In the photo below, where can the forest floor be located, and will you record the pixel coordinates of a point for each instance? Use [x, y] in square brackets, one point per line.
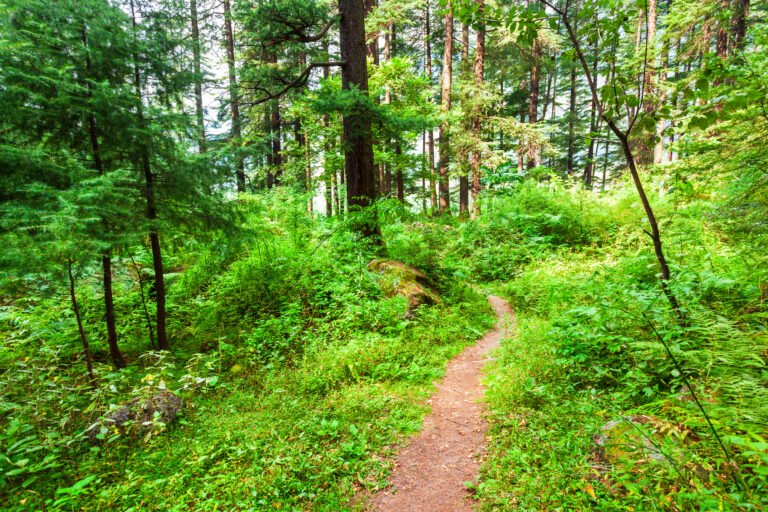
[432, 471]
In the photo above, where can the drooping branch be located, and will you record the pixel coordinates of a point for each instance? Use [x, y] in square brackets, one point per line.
[291, 29]
[298, 82]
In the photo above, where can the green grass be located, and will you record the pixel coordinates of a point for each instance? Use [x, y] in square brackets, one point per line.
[307, 433]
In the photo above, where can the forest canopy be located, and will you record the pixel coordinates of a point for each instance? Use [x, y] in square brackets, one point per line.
[242, 239]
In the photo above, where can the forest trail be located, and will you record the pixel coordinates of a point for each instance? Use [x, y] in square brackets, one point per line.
[430, 472]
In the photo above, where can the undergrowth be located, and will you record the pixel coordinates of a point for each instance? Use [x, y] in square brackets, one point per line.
[593, 402]
[299, 374]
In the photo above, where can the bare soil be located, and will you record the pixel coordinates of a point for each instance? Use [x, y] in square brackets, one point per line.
[430, 473]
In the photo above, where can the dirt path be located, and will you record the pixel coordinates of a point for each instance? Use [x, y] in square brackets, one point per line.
[429, 474]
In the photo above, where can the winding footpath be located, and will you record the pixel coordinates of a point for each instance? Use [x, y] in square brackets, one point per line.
[430, 473]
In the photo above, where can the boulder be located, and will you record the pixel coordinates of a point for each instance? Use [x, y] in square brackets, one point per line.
[140, 415]
[400, 279]
[631, 439]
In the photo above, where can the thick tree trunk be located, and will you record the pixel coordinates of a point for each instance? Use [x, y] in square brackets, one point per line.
[149, 195]
[197, 68]
[80, 329]
[445, 88]
[234, 96]
[739, 24]
[361, 192]
[477, 120]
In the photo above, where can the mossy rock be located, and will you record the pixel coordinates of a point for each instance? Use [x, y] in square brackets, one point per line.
[139, 416]
[397, 278]
[629, 440]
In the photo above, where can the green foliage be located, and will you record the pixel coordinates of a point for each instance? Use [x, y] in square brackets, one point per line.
[591, 350]
[309, 374]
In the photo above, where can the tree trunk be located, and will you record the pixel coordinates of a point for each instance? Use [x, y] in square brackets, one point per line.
[197, 68]
[234, 96]
[645, 149]
[147, 318]
[106, 258]
[431, 132]
[445, 88]
[533, 103]
[477, 120]
[572, 121]
[275, 125]
[270, 157]
[399, 178]
[463, 156]
[149, 195]
[722, 32]
[739, 24]
[589, 169]
[358, 150]
[373, 45]
[80, 329]
[386, 167]
[424, 191]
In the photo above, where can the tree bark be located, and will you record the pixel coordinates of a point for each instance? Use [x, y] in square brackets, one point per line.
[722, 33]
[329, 195]
[646, 148]
[533, 103]
[399, 178]
[589, 169]
[463, 156]
[234, 96]
[358, 151]
[445, 88]
[572, 121]
[477, 120]
[739, 24]
[373, 44]
[149, 195]
[431, 132]
[80, 329]
[275, 128]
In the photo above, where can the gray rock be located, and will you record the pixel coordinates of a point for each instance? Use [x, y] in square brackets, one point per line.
[139, 416]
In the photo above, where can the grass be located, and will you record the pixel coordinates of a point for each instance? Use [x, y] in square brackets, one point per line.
[274, 438]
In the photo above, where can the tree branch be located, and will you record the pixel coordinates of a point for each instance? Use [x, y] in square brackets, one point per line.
[300, 81]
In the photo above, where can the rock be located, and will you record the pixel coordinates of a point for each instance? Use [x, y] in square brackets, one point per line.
[139, 415]
[629, 440]
[400, 279]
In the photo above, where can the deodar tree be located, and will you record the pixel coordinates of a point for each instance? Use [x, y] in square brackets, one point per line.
[284, 25]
